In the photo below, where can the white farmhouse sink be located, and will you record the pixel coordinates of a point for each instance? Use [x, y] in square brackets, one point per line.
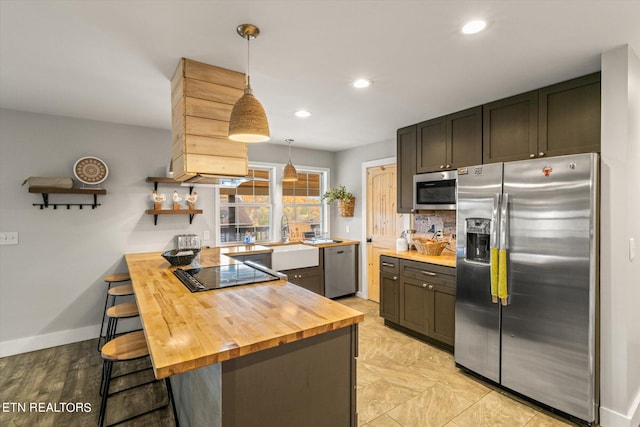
[287, 257]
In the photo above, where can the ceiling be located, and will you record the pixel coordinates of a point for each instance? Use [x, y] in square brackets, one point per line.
[112, 60]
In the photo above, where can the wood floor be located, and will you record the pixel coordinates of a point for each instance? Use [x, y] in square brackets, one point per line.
[401, 382]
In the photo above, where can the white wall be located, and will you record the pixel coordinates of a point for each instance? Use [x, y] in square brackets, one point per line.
[348, 171]
[620, 214]
[51, 288]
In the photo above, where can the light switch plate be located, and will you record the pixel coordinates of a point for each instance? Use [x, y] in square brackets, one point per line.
[206, 235]
[632, 249]
[9, 238]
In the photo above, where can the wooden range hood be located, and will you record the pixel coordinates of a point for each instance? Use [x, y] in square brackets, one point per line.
[202, 97]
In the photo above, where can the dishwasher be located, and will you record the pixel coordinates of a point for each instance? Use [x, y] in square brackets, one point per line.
[340, 271]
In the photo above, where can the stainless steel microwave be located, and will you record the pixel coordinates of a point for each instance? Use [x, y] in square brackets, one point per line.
[435, 191]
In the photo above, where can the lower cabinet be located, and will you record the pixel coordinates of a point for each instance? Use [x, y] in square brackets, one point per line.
[389, 288]
[310, 278]
[420, 297]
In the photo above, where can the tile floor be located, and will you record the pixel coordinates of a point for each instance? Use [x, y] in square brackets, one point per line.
[401, 382]
[405, 382]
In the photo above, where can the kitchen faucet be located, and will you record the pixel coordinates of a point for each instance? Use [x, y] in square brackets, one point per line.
[284, 229]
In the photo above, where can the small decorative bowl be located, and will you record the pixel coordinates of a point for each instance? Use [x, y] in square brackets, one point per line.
[187, 255]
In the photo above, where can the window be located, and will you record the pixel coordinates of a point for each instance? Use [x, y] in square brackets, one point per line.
[247, 209]
[302, 205]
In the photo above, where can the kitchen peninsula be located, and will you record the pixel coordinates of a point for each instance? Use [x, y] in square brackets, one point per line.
[242, 355]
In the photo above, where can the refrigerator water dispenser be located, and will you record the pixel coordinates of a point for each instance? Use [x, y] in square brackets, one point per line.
[478, 239]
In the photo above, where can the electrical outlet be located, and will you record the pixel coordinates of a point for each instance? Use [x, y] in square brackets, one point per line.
[632, 249]
[348, 228]
[9, 238]
[206, 235]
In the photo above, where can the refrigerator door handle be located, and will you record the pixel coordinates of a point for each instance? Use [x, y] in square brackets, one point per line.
[495, 221]
[503, 292]
[494, 245]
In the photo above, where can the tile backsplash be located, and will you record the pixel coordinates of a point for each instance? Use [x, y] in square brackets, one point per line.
[430, 222]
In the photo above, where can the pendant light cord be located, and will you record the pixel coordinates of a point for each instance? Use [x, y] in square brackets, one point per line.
[248, 62]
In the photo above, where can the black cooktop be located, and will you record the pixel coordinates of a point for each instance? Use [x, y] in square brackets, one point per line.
[224, 276]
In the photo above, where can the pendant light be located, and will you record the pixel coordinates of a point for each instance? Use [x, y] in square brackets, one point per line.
[290, 172]
[248, 121]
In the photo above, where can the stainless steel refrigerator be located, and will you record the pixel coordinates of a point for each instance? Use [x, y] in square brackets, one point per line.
[527, 278]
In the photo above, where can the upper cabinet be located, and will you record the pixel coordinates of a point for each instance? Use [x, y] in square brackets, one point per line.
[450, 142]
[553, 121]
[406, 160]
[510, 128]
[569, 117]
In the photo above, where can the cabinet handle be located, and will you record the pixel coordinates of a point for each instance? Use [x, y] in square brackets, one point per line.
[430, 286]
[388, 264]
[541, 154]
[424, 285]
[395, 277]
[441, 166]
[428, 273]
[448, 166]
[532, 156]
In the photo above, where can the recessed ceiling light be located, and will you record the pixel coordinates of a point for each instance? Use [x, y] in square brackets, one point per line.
[302, 113]
[474, 26]
[362, 83]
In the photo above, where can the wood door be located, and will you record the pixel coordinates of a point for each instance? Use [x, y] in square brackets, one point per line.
[384, 224]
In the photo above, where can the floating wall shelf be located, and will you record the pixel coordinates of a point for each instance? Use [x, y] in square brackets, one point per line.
[156, 212]
[45, 191]
[190, 212]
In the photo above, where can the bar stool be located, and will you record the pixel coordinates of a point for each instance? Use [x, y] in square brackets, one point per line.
[117, 291]
[127, 347]
[124, 310]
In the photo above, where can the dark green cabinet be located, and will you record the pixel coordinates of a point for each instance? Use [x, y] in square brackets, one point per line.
[450, 142]
[569, 117]
[389, 288]
[510, 128]
[414, 306]
[418, 297]
[431, 154]
[443, 305]
[555, 120]
[310, 278]
[406, 168]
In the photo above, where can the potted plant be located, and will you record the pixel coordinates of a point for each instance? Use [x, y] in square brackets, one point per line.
[346, 200]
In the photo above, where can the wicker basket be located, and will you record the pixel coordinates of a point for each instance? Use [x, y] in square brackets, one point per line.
[429, 247]
[346, 207]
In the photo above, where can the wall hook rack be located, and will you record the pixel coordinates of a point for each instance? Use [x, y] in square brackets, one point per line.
[45, 191]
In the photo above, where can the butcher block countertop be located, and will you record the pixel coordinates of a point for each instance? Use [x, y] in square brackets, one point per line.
[185, 330]
[340, 242]
[447, 258]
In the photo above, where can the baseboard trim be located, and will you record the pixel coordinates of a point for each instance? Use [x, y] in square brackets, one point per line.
[611, 418]
[54, 339]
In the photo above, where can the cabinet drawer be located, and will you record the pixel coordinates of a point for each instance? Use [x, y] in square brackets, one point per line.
[429, 273]
[389, 264]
